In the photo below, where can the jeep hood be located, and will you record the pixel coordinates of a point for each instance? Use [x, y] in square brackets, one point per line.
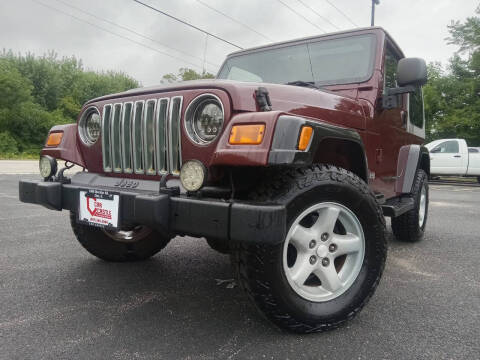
[315, 103]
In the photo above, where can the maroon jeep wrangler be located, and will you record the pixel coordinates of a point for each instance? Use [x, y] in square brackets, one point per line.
[288, 161]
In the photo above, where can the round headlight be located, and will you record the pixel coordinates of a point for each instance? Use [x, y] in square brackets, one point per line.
[47, 166]
[89, 126]
[192, 175]
[204, 119]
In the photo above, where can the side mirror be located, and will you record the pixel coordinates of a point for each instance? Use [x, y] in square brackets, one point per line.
[411, 71]
[435, 150]
[411, 74]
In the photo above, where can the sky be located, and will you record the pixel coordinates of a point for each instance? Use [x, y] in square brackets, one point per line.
[123, 35]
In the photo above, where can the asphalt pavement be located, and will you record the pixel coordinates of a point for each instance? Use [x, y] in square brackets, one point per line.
[59, 302]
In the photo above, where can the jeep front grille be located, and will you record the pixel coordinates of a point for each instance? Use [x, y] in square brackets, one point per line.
[142, 137]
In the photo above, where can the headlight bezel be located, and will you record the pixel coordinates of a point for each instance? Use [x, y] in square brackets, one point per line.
[191, 114]
[83, 122]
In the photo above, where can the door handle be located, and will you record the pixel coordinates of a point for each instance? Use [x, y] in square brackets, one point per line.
[457, 156]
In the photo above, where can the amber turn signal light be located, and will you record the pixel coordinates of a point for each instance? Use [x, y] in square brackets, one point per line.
[305, 136]
[247, 134]
[54, 139]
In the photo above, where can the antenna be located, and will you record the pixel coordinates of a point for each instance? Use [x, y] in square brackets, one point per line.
[374, 2]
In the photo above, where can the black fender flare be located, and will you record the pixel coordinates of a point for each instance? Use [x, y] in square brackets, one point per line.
[284, 150]
[410, 159]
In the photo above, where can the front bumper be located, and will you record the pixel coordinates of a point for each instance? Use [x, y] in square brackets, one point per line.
[170, 215]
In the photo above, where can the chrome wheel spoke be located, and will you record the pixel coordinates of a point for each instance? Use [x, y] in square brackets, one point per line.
[327, 218]
[301, 270]
[301, 237]
[346, 244]
[329, 277]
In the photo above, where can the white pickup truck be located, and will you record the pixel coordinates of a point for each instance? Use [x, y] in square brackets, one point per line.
[453, 157]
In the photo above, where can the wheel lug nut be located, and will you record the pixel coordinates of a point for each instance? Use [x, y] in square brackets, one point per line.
[325, 261]
[332, 247]
[324, 237]
[312, 244]
[313, 259]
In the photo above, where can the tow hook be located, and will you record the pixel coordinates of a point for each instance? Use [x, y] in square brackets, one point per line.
[163, 189]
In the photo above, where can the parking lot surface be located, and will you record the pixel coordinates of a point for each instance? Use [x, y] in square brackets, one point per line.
[57, 301]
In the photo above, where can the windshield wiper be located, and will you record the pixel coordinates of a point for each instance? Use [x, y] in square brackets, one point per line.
[309, 84]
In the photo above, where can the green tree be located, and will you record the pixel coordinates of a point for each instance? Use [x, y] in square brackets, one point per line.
[185, 74]
[8, 145]
[39, 92]
[452, 95]
[467, 34]
[14, 88]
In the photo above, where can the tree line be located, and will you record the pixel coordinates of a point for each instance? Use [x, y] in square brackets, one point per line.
[39, 92]
[452, 94]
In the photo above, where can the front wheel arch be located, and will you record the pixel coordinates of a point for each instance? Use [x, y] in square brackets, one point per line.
[346, 154]
[329, 144]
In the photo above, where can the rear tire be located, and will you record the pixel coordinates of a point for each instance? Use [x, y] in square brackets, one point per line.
[108, 246]
[410, 227]
[267, 274]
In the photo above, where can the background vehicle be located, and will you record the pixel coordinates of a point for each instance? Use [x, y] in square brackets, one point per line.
[288, 161]
[452, 157]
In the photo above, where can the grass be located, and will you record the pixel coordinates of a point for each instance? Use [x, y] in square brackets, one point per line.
[19, 156]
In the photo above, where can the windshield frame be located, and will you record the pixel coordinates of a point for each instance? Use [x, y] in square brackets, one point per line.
[313, 40]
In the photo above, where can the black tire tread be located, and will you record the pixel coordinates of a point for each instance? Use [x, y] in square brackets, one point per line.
[100, 245]
[248, 259]
[405, 227]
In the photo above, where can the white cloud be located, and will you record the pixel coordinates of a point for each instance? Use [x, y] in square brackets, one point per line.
[419, 27]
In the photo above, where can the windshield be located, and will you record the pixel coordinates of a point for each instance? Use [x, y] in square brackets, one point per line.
[324, 62]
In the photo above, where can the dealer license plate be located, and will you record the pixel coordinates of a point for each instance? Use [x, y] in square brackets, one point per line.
[99, 208]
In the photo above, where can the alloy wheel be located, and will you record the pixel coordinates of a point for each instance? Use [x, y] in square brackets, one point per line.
[323, 251]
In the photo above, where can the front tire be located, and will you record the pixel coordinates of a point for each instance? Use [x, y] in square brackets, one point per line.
[336, 234]
[135, 244]
[410, 227]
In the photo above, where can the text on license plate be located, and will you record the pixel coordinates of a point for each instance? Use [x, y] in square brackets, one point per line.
[99, 208]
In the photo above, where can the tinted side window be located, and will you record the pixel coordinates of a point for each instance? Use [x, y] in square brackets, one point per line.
[390, 68]
[447, 147]
[472, 150]
[416, 108]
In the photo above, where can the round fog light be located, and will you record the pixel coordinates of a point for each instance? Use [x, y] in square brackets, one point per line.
[47, 166]
[192, 175]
